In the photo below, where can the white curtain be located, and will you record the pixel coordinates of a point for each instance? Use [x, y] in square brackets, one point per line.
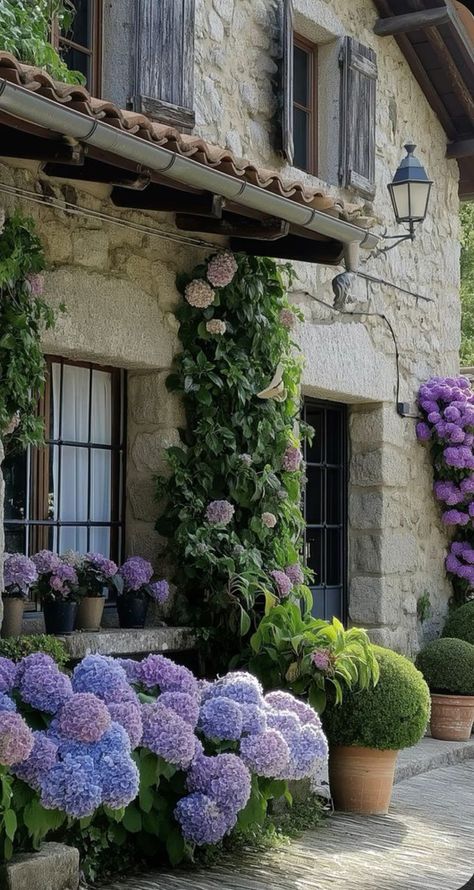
[71, 462]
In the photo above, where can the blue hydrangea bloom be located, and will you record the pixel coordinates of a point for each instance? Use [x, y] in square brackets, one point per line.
[200, 819]
[167, 735]
[41, 760]
[83, 717]
[129, 715]
[221, 718]
[284, 701]
[182, 704]
[119, 779]
[8, 671]
[284, 721]
[156, 670]
[6, 703]
[308, 750]
[238, 686]
[224, 778]
[101, 675]
[266, 754]
[131, 668]
[254, 720]
[72, 785]
[114, 739]
[42, 685]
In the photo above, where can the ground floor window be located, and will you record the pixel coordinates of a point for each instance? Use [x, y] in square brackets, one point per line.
[69, 495]
[325, 506]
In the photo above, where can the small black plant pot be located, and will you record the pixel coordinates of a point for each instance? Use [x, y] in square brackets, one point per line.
[132, 612]
[59, 617]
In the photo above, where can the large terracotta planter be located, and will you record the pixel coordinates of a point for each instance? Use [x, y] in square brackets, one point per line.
[361, 779]
[13, 608]
[452, 717]
[89, 613]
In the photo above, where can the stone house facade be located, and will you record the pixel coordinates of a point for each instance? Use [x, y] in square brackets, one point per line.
[117, 280]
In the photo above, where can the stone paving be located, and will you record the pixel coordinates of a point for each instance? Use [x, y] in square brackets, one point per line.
[425, 843]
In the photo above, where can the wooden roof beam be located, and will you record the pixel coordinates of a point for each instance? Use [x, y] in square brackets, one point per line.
[463, 148]
[15, 144]
[412, 21]
[269, 229]
[292, 247]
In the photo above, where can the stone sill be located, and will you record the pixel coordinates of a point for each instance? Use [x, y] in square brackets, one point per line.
[55, 867]
[129, 642]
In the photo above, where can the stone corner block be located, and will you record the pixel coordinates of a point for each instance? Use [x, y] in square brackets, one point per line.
[54, 867]
[383, 467]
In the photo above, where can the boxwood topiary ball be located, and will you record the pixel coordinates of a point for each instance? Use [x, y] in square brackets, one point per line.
[448, 666]
[393, 715]
[460, 623]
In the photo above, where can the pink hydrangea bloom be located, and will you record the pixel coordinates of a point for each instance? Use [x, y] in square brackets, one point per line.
[221, 269]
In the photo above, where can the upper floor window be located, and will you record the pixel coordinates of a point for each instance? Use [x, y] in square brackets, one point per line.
[69, 494]
[81, 44]
[305, 105]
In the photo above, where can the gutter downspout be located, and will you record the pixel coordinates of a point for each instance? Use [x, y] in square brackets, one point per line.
[22, 103]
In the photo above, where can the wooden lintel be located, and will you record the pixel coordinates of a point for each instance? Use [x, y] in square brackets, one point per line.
[269, 229]
[412, 21]
[463, 148]
[292, 247]
[166, 198]
[95, 171]
[453, 75]
[15, 144]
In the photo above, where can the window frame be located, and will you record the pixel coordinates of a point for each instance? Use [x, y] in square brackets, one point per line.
[312, 107]
[94, 51]
[38, 466]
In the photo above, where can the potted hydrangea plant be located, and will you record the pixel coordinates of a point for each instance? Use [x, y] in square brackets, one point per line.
[19, 573]
[95, 573]
[448, 668]
[57, 586]
[367, 730]
[135, 590]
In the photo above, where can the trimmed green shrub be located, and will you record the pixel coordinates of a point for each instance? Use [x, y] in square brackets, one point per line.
[18, 647]
[392, 715]
[448, 666]
[460, 623]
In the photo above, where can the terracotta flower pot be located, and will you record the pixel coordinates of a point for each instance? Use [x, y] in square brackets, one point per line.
[361, 779]
[13, 608]
[89, 613]
[452, 717]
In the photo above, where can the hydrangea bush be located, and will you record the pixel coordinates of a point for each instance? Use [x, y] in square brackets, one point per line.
[447, 404]
[147, 746]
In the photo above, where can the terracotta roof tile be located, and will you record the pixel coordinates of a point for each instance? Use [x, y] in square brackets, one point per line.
[191, 146]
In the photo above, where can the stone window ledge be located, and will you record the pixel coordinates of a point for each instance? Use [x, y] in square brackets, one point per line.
[129, 642]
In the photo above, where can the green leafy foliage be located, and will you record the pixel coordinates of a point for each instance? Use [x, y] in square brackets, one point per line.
[391, 715]
[448, 666]
[467, 284]
[223, 570]
[17, 648]
[423, 607]
[460, 623]
[283, 646]
[25, 28]
[23, 318]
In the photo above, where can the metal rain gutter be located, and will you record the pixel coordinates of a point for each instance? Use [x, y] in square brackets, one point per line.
[23, 103]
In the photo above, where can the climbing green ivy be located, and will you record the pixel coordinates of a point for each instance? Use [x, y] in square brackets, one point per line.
[25, 31]
[234, 450]
[24, 316]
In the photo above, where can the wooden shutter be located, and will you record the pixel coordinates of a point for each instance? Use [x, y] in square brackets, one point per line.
[358, 109]
[165, 61]
[286, 80]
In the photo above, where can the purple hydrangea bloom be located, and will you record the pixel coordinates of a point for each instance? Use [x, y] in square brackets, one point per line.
[219, 512]
[308, 747]
[452, 563]
[452, 414]
[107, 567]
[423, 431]
[6, 703]
[167, 735]
[114, 739]
[467, 485]
[295, 573]
[224, 778]
[282, 583]
[119, 779]
[84, 717]
[321, 659]
[128, 714]
[291, 460]
[201, 821]
[266, 754]
[239, 686]
[160, 591]
[42, 685]
[19, 573]
[283, 701]
[284, 721]
[221, 718]
[448, 492]
[16, 739]
[63, 578]
[136, 572]
[8, 671]
[45, 561]
[131, 668]
[72, 785]
[156, 670]
[254, 720]
[101, 675]
[42, 759]
[183, 704]
[455, 517]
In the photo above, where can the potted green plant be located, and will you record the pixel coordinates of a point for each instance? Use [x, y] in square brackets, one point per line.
[135, 590]
[95, 574]
[448, 668]
[19, 573]
[57, 586]
[368, 729]
[460, 623]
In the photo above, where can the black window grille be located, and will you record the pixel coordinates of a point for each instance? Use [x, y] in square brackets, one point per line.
[325, 506]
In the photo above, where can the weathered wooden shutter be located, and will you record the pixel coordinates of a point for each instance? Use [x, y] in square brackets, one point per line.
[358, 121]
[165, 60]
[286, 81]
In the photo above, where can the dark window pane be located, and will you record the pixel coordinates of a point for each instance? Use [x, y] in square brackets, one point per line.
[333, 556]
[15, 539]
[315, 553]
[300, 76]
[314, 495]
[334, 602]
[315, 418]
[77, 61]
[300, 136]
[15, 476]
[334, 437]
[333, 496]
[81, 29]
[319, 602]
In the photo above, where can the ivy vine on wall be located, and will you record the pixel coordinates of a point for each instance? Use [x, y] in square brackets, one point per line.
[24, 316]
[233, 499]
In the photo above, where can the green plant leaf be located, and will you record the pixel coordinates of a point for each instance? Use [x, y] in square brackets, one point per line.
[132, 820]
[10, 823]
[175, 846]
